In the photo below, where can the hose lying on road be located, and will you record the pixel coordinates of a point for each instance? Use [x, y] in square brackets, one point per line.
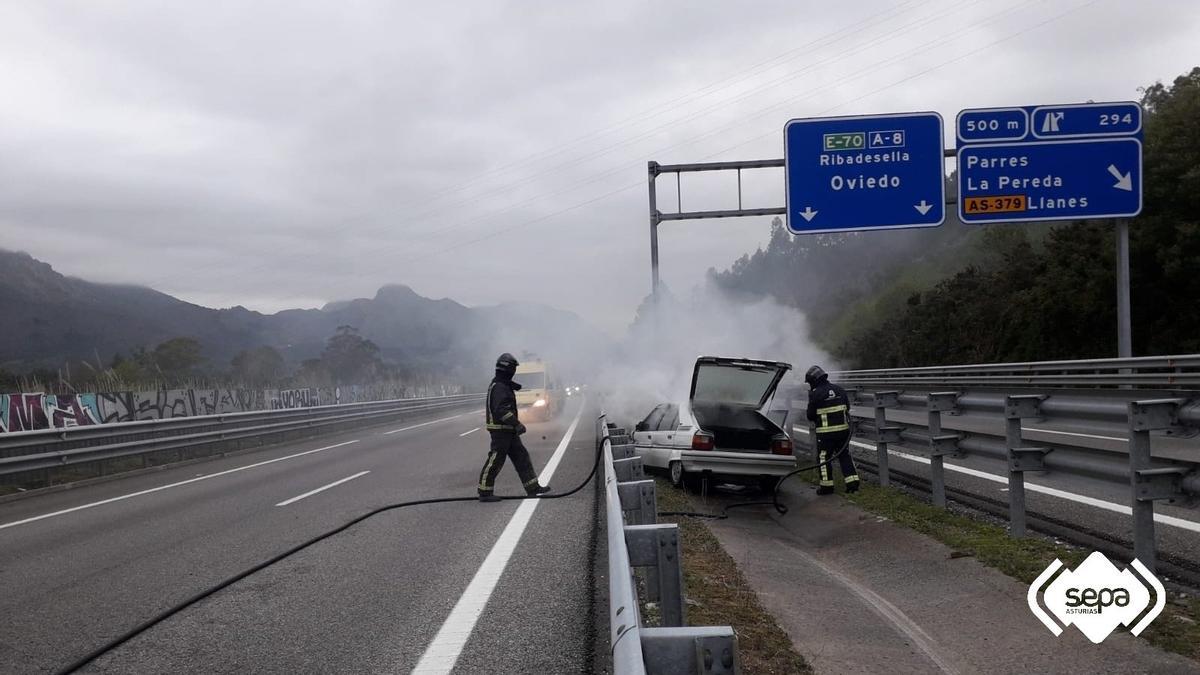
[781, 509]
[180, 606]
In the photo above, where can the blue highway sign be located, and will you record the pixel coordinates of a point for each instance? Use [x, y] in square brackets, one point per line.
[1065, 162]
[993, 125]
[870, 172]
[1085, 120]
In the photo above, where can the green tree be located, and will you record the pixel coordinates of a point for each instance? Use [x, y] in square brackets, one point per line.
[177, 358]
[129, 372]
[312, 373]
[261, 366]
[1165, 238]
[350, 358]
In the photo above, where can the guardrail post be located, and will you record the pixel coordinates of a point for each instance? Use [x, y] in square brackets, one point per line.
[1147, 483]
[883, 433]
[711, 650]
[1020, 458]
[940, 444]
[623, 451]
[640, 498]
[629, 469]
[657, 547]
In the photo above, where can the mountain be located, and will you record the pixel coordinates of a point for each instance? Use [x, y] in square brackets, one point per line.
[48, 318]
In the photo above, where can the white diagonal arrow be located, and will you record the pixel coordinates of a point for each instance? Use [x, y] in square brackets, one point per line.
[1124, 180]
[923, 207]
[808, 214]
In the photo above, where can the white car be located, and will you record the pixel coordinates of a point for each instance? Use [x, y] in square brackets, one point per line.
[722, 432]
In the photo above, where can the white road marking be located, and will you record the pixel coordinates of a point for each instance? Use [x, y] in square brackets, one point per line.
[1072, 433]
[169, 486]
[310, 493]
[443, 652]
[469, 432]
[886, 610]
[425, 424]
[1114, 507]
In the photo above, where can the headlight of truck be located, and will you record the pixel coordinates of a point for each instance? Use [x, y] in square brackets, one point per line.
[540, 403]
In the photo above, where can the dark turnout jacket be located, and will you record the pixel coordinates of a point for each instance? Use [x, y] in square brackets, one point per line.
[829, 407]
[502, 405]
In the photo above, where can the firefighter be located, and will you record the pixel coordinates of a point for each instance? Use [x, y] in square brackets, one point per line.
[505, 430]
[829, 410]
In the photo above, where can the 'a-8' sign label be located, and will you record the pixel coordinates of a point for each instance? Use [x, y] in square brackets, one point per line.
[876, 140]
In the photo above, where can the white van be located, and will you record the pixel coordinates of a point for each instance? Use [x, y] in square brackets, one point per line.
[537, 399]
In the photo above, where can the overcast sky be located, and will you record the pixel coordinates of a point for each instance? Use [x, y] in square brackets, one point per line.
[285, 154]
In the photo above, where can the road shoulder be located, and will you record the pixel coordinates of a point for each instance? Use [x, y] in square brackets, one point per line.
[856, 591]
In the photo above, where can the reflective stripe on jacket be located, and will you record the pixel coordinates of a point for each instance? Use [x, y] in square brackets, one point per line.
[829, 408]
[833, 418]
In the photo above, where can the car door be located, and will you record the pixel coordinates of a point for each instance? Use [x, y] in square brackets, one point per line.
[662, 437]
[666, 437]
[644, 434]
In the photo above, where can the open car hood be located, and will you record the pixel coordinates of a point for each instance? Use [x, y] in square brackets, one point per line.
[745, 382]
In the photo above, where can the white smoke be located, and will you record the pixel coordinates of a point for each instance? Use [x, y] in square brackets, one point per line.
[654, 364]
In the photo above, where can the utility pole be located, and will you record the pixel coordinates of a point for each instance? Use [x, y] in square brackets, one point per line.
[1124, 330]
[652, 172]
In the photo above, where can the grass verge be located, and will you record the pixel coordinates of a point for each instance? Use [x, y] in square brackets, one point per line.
[1176, 630]
[718, 594]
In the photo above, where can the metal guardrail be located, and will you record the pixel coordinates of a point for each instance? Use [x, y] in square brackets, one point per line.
[1035, 418]
[26, 451]
[1155, 372]
[673, 648]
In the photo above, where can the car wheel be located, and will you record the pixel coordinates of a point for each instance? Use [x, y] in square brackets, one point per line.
[676, 470]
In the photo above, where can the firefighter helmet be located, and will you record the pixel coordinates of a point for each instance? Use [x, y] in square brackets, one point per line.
[507, 363]
[815, 375]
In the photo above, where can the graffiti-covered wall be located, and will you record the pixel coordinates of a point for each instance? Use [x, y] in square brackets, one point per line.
[28, 412]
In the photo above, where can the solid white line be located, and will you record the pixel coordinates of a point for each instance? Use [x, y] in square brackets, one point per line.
[886, 610]
[1114, 507]
[443, 652]
[172, 485]
[469, 432]
[310, 493]
[1072, 433]
[425, 424]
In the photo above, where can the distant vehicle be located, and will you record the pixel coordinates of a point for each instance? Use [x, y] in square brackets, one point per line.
[722, 432]
[538, 398]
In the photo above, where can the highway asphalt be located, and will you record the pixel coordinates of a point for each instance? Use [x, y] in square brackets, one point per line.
[82, 566]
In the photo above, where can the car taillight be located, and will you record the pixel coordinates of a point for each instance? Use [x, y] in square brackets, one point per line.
[781, 445]
[703, 441]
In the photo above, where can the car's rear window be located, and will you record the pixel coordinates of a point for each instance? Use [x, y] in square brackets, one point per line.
[732, 384]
